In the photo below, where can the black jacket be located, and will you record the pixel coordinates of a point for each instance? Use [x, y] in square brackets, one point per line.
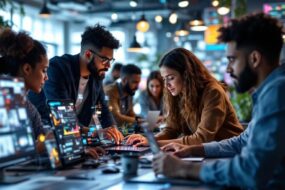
[62, 83]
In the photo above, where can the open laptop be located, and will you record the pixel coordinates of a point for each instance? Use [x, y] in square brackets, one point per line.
[66, 132]
[151, 123]
[151, 177]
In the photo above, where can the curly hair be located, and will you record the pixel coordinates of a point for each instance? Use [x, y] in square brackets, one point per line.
[17, 49]
[98, 37]
[155, 75]
[184, 109]
[256, 31]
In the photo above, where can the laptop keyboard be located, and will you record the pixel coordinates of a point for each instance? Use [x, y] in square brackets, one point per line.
[127, 148]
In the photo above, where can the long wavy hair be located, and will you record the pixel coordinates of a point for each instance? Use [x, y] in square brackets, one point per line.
[155, 75]
[184, 109]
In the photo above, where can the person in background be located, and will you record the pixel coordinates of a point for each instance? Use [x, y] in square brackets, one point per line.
[257, 155]
[152, 98]
[79, 78]
[197, 108]
[115, 74]
[24, 57]
[121, 95]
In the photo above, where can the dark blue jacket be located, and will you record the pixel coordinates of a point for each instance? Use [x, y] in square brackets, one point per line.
[62, 83]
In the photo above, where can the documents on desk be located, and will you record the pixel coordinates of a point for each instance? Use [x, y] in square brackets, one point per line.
[193, 159]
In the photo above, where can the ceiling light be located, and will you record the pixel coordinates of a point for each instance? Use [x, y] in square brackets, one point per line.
[135, 47]
[199, 28]
[45, 12]
[158, 18]
[183, 4]
[173, 18]
[133, 3]
[215, 3]
[197, 24]
[223, 10]
[114, 16]
[182, 30]
[168, 34]
[176, 39]
[142, 24]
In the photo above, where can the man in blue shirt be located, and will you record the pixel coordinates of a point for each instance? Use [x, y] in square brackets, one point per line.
[254, 44]
[79, 78]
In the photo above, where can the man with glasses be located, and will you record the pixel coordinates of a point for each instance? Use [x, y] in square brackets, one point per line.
[79, 78]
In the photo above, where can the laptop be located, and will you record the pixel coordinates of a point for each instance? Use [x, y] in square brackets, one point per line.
[151, 177]
[69, 148]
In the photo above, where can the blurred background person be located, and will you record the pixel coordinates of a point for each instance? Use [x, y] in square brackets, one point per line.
[121, 95]
[114, 75]
[151, 99]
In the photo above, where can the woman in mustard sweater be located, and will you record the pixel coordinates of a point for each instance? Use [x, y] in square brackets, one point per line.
[197, 107]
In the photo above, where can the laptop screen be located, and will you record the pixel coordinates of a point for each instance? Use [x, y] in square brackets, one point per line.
[67, 131]
[16, 134]
[154, 147]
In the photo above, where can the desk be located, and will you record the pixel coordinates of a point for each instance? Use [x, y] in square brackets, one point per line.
[57, 180]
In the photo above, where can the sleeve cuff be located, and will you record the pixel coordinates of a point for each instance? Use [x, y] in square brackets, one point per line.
[211, 149]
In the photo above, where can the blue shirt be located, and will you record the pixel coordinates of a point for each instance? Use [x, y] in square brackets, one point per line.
[259, 152]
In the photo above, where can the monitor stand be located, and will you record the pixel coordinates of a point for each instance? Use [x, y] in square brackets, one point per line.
[10, 179]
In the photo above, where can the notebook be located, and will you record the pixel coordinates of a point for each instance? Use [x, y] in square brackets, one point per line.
[151, 118]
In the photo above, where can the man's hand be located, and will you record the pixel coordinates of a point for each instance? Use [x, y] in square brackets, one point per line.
[95, 152]
[172, 166]
[114, 133]
[136, 140]
[167, 165]
[173, 147]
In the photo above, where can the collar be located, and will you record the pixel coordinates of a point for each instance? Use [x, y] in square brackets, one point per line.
[121, 90]
[280, 70]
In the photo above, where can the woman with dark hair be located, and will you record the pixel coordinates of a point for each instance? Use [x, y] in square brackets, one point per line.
[197, 108]
[25, 57]
[22, 56]
[151, 98]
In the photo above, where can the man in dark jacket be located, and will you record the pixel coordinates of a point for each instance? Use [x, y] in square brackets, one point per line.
[79, 78]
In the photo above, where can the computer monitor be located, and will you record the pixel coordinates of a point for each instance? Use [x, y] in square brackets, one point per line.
[66, 130]
[16, 135]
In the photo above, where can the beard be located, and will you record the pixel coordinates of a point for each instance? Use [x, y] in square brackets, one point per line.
[246, 80]
[129, 90]
[94, 71]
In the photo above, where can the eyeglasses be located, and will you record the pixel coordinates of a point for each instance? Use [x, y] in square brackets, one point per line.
[104, 59]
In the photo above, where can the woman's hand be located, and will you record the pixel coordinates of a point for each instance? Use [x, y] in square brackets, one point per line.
[173, 147]
[136, 140]
[194, 150]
